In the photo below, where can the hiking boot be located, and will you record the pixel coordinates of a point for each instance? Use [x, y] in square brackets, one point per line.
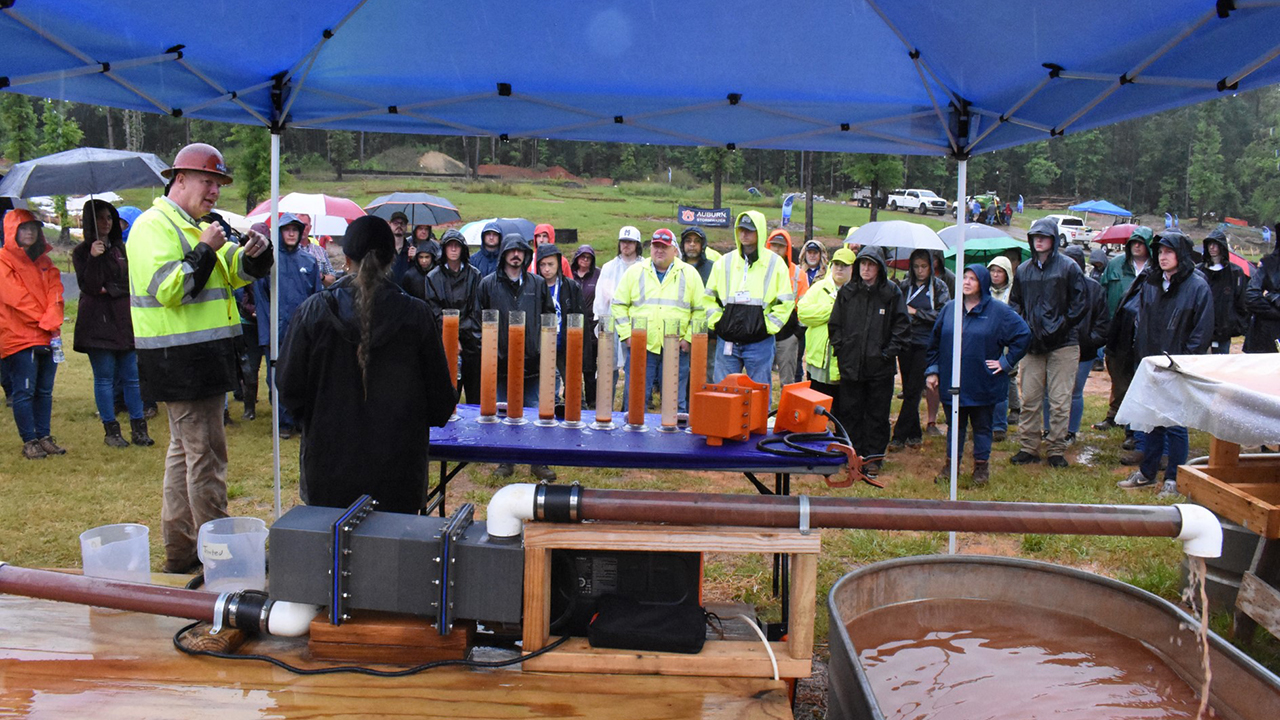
[250, 413]
[505, 470]
[933, 431]
[1169, 491]
[1130, 443]
[31, 450]
[50, 447]
[915, 443]
[982, 473]
[149, 410]
[1071, 438]
[944, 475]
[998, 436]
[1058, 461]
[1132, 457]
[1137, 481]
[543, 473]
[896, 445]
[113, 436]
[1108, 424]
[139, 434]
[286, 432]
[1024, 458]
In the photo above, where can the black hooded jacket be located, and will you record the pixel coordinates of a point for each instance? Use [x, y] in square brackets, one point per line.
[927, 298]
[1095, 325]
[353, 441]
[1178, 321]
[103, 321]
[1227, 285]
[569, 293]
[499, 292]
[869, 326]
[1262, 299]
[414, 280]
[1052, 298]
[449, 290]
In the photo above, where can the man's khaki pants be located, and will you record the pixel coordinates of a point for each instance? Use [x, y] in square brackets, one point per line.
[1055, 373]
[195, 477]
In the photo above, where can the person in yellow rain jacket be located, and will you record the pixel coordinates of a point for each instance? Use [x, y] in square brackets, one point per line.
[182, 271]
[814, 310]
[660, 289]
[749, 299]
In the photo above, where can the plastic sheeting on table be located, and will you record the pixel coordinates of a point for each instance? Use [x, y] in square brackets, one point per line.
[1235, 398]
[466, 440]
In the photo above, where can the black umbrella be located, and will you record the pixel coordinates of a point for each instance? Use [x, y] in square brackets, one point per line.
[83, 171]
[421, 208]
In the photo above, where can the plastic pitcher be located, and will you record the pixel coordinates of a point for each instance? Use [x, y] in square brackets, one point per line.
[118, 552]
[234, 553]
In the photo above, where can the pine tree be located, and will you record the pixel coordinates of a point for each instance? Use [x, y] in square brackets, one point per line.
[18, 119]
[1205, 165]
[59, 133]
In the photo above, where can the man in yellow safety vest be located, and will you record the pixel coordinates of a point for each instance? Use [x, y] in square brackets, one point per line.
[182, 271]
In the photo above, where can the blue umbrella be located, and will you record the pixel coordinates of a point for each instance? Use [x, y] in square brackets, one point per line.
[421, 208]
[471, 231]
[83, 171]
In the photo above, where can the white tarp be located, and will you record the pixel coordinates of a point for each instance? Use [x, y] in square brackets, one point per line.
[1232, 397]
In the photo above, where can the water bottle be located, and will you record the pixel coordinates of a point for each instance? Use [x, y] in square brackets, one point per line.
[56, 345]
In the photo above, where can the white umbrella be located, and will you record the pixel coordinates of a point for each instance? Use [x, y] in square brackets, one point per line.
[905, 237]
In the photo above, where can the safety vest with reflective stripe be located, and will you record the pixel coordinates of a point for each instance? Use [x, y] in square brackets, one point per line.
[164, 312]
[765, 283]
[814, 312]
[640, 295]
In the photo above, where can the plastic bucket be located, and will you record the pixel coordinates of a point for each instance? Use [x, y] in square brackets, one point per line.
[118, 552]
[234, 553]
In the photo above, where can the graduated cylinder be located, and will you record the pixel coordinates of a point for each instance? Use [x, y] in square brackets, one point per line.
[697, 359]
[605, 364]
[547, 371]
[488, 366]
[636, 380]
[670, 374]
[573, 339]
[515, 368]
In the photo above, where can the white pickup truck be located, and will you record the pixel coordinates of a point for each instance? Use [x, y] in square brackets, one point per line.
[1071, 230]
[912, 200]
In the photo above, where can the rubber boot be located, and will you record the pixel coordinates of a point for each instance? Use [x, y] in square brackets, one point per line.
[140, 436]
[113, 436]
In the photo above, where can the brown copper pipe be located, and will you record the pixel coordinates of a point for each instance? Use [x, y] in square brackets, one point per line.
[101, 592]
[879, 514]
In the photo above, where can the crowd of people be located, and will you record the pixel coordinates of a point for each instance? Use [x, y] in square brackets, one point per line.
[180, 315]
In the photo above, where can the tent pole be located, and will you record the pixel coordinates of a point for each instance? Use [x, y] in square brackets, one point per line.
[957, 295]
[273, 222]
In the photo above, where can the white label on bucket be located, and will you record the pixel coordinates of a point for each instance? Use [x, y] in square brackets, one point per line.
[95, 542]
[216, 551]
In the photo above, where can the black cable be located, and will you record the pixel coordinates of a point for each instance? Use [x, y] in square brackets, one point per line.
[177, 642]
[794, 448]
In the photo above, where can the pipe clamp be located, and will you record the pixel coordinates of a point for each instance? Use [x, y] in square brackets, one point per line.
[804, 514]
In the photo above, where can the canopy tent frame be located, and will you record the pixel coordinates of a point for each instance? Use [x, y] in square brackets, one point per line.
[960, 122]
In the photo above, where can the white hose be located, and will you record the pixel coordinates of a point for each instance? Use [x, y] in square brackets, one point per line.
[767, 647]
[509, 508]
[1201, 533]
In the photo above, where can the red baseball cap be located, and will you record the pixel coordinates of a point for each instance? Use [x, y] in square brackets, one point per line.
[663, 236]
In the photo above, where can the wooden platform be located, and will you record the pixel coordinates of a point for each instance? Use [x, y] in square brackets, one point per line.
[59, 660]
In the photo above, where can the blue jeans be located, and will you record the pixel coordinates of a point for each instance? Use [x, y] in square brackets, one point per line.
[756, 359]
[1077, 398]
[1154, 443]
[31, 372]
[112, 368]
[653, 378]
[979, 416]
[1223, 348]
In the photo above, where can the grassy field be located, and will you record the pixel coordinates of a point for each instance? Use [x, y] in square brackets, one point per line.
[46, 504]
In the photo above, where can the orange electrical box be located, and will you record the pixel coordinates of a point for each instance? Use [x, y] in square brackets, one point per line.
[721, 413]
[759, 400]
[796, 409]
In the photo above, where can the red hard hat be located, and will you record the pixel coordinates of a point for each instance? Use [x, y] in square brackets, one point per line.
[202, 157]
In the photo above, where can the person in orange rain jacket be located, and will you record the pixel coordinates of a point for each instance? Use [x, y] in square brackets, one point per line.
[786, 359]
[30, 330]
[542, 235]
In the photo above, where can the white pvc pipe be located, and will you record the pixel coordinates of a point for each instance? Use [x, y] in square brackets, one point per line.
[272, 223]
[290, 619]
[957, 297]
[1201, 534]
[509, 508]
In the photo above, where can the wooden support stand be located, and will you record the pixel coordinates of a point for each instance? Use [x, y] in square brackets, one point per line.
[1246, 492]
[721, 658]
[388, 638]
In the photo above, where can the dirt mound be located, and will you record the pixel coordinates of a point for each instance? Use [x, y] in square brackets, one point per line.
[438, 163]
[511, 172]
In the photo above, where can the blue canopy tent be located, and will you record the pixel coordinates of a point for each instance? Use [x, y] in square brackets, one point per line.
[1101, 207]
[906, 77]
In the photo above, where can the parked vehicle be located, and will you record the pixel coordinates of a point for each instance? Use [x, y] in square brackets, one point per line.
[1071, 230]
[913, 200]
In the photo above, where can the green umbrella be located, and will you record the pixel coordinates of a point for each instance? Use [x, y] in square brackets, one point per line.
[984, 249]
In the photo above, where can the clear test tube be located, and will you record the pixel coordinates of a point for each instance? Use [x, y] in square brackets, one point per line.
[636, 380]
[515, 368]
[605, 364]
[449, 336]
[573, 338]
[547, 371]
[488, 366]
[670, 374]
[697, 358]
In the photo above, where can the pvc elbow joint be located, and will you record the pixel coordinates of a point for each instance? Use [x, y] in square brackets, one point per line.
[508, 509]
[290, 619]
[1201, 533]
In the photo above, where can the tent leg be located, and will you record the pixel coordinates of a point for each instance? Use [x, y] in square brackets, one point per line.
[953, 428]
[274, 319]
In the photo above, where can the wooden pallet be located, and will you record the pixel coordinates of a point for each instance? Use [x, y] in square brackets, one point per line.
[720, 658]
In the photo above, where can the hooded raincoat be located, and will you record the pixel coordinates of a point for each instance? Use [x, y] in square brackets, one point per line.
[1262, 299]
[486, 260]
[587, 281]
[749, 293]
[528, 293]
[814, 312]
[1178, 319]
[1002, 294]
[30, 290]
[815, 272]
[991, 330]
[103, 321]
[414, 280]
[707, 257]
[869, 325]
[459, 290]
[1227, 283]
[1094, 326]
[1120, 272]
[799, 285]
[1051, 297]
[551, 239]
[926, 297]
[299, 275]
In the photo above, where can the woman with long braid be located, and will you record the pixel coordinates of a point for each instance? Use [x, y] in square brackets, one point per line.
[364, 373]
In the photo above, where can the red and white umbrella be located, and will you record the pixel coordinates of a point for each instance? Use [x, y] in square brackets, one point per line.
[329, 215]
